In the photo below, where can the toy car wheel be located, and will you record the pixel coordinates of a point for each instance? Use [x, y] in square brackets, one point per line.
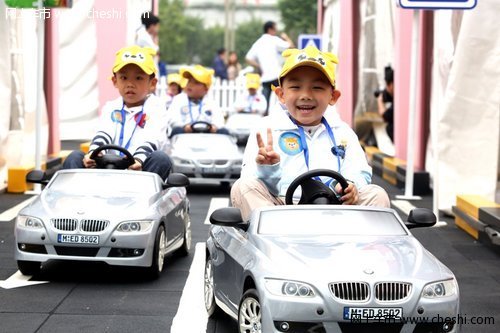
[186, 244]
[159, 253]
[29, 267]
[249, 313]
[209, 290]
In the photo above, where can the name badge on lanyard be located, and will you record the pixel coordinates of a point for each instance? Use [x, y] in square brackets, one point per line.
[337, 151]
[120, 117]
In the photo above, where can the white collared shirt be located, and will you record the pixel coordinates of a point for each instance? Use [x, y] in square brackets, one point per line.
[286, 142]
[142, 137]
[180, 115]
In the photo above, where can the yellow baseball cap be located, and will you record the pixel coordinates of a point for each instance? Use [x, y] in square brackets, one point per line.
[310, 56]
[176, 78]
[199, 73]
[140, 56]
[253, 80]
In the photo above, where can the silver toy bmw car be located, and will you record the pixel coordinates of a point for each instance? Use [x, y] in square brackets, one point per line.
[320, 267]
[206, 157]
[121, 217]
[241, 124]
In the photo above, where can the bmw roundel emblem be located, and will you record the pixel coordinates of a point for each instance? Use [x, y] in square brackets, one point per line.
[368, 271]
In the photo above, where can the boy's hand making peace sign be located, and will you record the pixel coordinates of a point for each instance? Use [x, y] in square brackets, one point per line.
[266, 153]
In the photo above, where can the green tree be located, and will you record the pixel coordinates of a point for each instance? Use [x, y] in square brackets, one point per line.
[173, 30]
[183, 39]
[298, 16]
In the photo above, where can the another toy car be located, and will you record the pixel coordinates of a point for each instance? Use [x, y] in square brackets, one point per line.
[205, 157]
[120, 217]
[327, 268]
[241, 124]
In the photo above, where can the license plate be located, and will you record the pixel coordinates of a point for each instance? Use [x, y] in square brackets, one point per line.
[211, 170]
[77, 239]
[372, 313]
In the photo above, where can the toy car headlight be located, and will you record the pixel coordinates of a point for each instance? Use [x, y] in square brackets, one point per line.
[29, 222]
[134, 226]
[182, 161]
[289, 288]
[440, 289]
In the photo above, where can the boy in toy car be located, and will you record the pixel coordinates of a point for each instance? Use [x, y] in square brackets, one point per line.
[251, 101]
[135, 120]
[193, 106]
[306, 136]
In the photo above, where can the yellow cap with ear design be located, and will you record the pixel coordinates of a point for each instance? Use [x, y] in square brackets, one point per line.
[140, 56]
[309, 56]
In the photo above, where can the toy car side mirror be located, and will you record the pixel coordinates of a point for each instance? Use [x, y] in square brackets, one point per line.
[37, 177]
[176, 180]
[228, 217]
[420, 217]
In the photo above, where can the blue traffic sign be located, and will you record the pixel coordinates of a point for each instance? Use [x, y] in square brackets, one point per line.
[306, 40]
[433, 4]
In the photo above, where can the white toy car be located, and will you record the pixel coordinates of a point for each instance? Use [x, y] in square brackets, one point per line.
[206, 157]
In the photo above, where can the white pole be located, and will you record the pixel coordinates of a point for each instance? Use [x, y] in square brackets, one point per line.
[39, 90]
[410, 149]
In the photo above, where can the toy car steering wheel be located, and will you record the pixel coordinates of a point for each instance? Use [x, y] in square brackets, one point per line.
[201, 127]
[314, 191]
[112, 161]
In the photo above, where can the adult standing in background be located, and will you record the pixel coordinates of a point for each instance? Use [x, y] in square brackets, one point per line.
[219, 64]
[233, 66]
[147, 34]
[265, 55]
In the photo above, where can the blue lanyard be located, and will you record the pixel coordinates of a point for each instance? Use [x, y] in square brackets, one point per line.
[191, 113]
[122, 131]
[306, 149]
[251, 99]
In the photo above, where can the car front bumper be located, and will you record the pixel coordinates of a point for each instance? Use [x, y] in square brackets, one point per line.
[289, 314]
[114, 248]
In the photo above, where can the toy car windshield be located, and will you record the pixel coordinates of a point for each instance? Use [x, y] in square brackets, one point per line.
[329, 222]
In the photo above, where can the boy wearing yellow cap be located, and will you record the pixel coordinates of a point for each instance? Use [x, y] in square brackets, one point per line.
[193, 105]
[135, 120]
[251, 101]
[175, 84]
[306, 136]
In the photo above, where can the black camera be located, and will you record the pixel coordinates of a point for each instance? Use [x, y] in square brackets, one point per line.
[386, 97]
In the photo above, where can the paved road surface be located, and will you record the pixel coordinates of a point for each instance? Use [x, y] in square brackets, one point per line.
[92, 297]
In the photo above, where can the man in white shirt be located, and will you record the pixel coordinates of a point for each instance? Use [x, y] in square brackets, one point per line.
[265, 54]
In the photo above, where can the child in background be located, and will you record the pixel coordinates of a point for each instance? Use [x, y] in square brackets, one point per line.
[304, 137]
[193, 105]
[135, 120]
[175, 84]
[251, 101]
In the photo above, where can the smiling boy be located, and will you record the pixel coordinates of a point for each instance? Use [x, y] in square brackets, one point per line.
[193, 105]
[307, 135]
[135, 120]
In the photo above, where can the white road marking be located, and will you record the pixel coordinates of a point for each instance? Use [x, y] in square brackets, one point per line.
[11, 213]
[192, 302]
[403, 205]
[406, 207]
[216, 203]
[17, 280]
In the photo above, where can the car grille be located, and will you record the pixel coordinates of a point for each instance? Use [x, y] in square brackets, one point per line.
[93, 225]
[87, 225]
[64, 224]
[392, 291]
[350, 291]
